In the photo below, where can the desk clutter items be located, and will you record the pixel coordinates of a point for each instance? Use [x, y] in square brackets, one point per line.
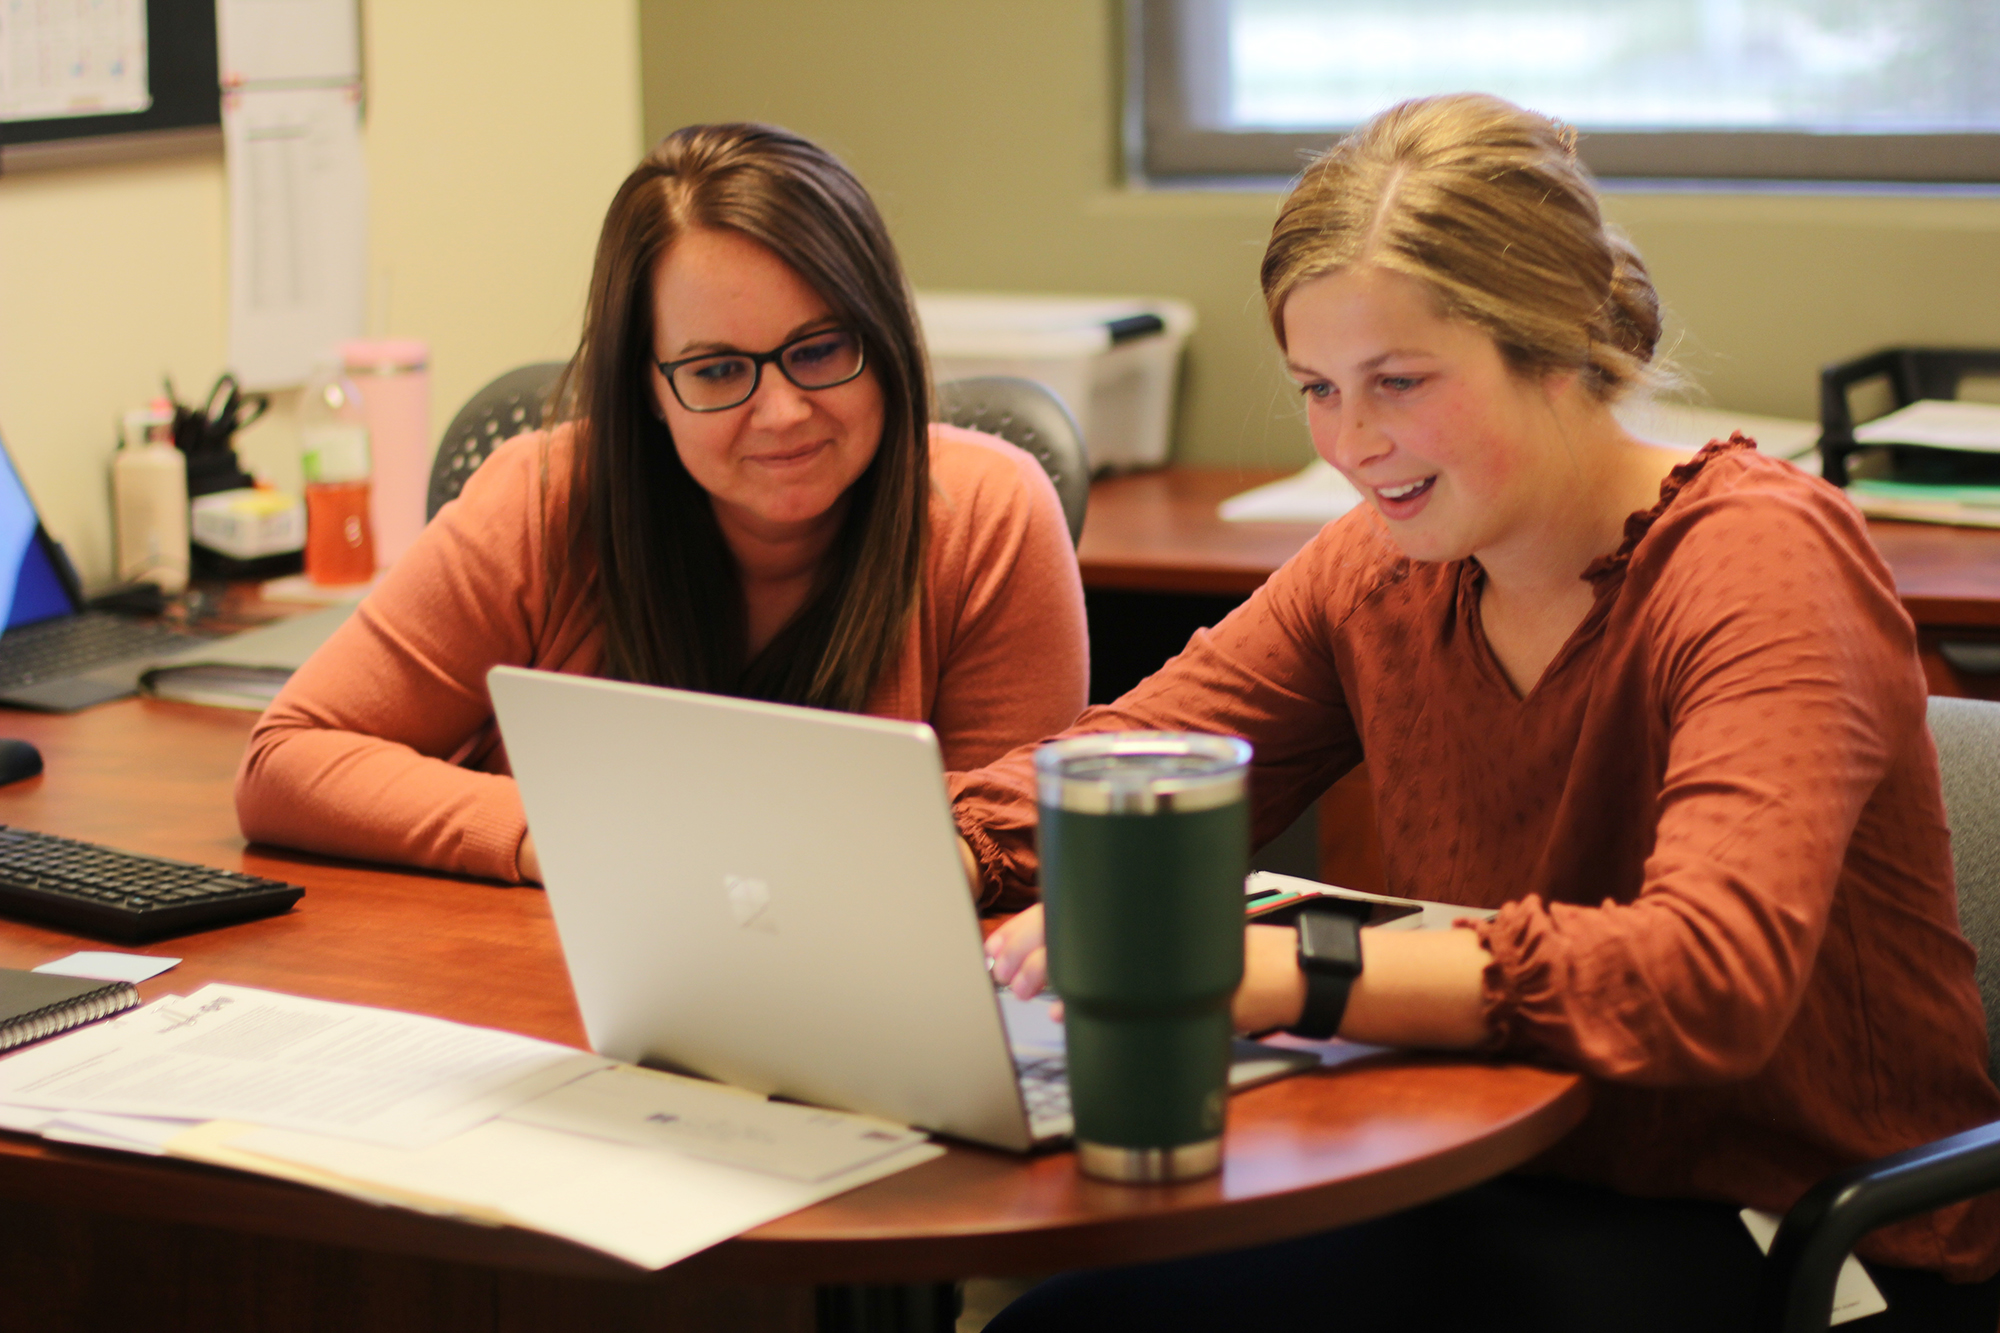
[19, 761]
[34, 1005]
[364, 433]
[1914, 433]
[149, 500]
[251, 527]
[124, 896]
[1318, 494]
[220, 547]
[406, 1111]
[246, 670]
[1113, 361]
[334, 444]
[393, 375]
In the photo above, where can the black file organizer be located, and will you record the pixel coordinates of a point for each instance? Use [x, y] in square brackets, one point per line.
[1913, 373]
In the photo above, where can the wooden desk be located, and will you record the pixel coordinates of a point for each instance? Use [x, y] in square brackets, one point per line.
[1159, 533]
[94, 1239]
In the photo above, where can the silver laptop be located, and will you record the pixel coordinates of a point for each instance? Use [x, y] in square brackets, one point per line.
[773, 897]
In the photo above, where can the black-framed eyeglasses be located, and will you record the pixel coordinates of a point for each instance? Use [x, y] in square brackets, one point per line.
[718, 381]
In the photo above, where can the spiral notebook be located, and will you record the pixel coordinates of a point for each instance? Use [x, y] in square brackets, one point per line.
[34, 1005]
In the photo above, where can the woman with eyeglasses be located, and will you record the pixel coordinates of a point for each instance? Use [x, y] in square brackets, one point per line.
[743, 494]
[1663, 714]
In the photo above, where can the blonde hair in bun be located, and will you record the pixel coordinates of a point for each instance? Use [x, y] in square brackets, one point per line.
[1487, 205]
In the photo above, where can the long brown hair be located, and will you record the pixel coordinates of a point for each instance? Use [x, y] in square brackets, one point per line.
[668, 589]
[1485, 204]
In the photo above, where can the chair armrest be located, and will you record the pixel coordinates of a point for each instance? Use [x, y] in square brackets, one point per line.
[1823, 1227]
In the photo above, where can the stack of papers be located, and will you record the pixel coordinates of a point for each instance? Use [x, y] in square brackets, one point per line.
[1935, 424]
[466, 1122]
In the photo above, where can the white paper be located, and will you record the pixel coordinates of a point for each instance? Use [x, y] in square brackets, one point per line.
[1855, 1294]
[1684, 426]
[73, 58]
[298, 229]
[646, 1206]
[132, 967]
[122, 1133]
[231, 1053]
[715, 1122]
[287, 41]
[1939, 423]
[1316, 494]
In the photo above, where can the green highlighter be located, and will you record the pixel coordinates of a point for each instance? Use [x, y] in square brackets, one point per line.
[1145, 838]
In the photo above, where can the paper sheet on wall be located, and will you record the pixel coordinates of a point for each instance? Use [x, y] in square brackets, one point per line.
[288, 41]
[73, 58]
[298, 229]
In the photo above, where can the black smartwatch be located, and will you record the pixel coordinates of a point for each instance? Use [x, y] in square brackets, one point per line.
[1330, 957]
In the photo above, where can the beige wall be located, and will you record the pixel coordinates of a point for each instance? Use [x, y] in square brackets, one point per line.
[987, 130]
[496, 131]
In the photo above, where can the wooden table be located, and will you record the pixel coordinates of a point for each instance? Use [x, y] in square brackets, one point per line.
[1159, 533]
[93, 1239]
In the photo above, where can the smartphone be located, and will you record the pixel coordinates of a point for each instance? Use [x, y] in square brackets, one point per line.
[1282, 909]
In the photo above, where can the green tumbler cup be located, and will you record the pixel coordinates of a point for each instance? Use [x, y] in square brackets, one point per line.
[1145, 839]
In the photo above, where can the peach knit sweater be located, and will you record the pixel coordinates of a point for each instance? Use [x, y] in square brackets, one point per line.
[383, 746]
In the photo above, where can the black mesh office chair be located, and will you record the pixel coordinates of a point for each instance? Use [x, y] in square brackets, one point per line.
[1025, 414]
[1823, 1227]
[503, 409]
[1021, 412]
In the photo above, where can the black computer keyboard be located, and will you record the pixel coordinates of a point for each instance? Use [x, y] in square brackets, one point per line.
[75, 644]
[123, 896]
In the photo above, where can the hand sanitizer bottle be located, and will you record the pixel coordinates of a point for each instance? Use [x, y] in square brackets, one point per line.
[149, 500]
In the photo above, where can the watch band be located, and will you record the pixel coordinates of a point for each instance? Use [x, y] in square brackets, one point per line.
[1330, 958]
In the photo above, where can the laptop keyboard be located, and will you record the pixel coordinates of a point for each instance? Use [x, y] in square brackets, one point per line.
[124, 896]
[71, 645]
[1045, 1093]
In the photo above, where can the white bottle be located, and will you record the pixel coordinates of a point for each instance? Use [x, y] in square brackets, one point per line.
[150, 501]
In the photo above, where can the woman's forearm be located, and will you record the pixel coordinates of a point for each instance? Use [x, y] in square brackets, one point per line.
[1416, 988]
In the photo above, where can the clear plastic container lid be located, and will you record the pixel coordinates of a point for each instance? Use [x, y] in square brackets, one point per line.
[1142, 772]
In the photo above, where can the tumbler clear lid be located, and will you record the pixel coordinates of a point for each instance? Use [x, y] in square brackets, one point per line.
[1142, 772]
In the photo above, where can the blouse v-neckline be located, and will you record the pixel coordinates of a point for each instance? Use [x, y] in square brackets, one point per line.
[1606, 575]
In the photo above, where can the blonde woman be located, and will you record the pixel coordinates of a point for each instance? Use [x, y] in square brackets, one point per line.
[1663, 713]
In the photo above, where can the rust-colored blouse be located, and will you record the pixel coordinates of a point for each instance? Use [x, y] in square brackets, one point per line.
[1713, 828]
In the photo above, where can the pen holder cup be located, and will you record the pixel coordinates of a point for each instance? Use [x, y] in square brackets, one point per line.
[1144, 844]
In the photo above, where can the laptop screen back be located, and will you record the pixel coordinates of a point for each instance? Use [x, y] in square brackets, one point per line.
[30, 589]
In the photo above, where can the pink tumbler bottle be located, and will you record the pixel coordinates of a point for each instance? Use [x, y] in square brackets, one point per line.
[393, 375]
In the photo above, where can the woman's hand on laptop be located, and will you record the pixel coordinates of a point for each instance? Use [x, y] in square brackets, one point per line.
[1015, 954]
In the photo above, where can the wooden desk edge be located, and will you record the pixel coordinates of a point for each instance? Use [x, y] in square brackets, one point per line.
[945, 1255]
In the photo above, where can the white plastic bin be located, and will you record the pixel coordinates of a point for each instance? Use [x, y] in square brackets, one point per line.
[1114, 368]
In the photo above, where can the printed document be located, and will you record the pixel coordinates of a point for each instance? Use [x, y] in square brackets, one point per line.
[232, 1053]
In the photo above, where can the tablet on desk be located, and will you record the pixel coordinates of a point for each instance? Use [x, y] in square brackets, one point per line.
[1272, 899]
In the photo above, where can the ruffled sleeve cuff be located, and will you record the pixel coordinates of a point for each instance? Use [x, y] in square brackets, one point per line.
[998, 889]
[1518, 982]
